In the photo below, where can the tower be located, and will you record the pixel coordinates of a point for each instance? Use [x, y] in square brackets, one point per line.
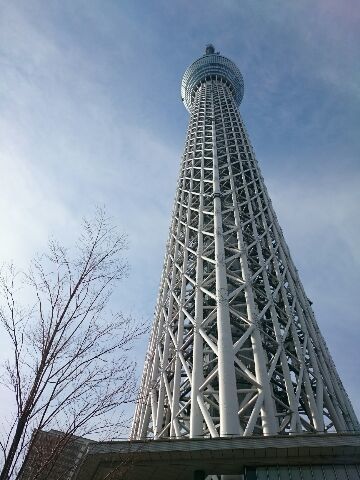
[235, 349]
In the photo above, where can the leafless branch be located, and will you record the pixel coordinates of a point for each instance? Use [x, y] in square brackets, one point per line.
[69, 367]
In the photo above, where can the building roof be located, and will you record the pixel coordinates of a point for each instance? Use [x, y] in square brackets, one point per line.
[179, 459]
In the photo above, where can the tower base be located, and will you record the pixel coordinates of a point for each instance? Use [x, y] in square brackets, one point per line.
[297, 457]
[317, 457]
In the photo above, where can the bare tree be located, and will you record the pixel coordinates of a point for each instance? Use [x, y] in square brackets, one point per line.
[69, 368]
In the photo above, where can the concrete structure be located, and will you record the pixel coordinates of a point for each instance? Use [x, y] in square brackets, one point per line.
[292, 457]
[298, 457]
[235, 349]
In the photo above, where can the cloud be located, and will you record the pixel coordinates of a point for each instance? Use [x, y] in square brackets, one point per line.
[328, 203]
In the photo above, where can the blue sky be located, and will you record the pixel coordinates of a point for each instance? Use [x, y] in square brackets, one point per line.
[91, 114]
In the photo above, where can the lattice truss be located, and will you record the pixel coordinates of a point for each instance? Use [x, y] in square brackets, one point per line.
[235, 348]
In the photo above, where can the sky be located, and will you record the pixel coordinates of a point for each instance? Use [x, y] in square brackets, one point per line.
[90, 114]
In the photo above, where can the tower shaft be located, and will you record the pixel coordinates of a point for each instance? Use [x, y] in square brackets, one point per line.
[235, 348]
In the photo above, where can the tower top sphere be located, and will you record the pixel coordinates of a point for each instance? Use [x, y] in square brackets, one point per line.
[211, 65]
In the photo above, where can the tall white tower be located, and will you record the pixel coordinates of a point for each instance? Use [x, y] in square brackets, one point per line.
[235, 349]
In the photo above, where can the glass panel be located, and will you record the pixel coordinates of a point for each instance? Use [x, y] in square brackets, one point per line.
[341, 473]
[353, 471]
[306, 474]
[283, 473]
[261, 473]
[273, 473]
[294, 473]
[329, 473]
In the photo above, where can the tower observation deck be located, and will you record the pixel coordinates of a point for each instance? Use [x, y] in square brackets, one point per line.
[235, 349]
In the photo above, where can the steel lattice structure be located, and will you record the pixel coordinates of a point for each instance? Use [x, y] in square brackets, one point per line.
[235, 348]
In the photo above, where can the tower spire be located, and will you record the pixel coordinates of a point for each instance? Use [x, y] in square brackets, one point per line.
[210, 49]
